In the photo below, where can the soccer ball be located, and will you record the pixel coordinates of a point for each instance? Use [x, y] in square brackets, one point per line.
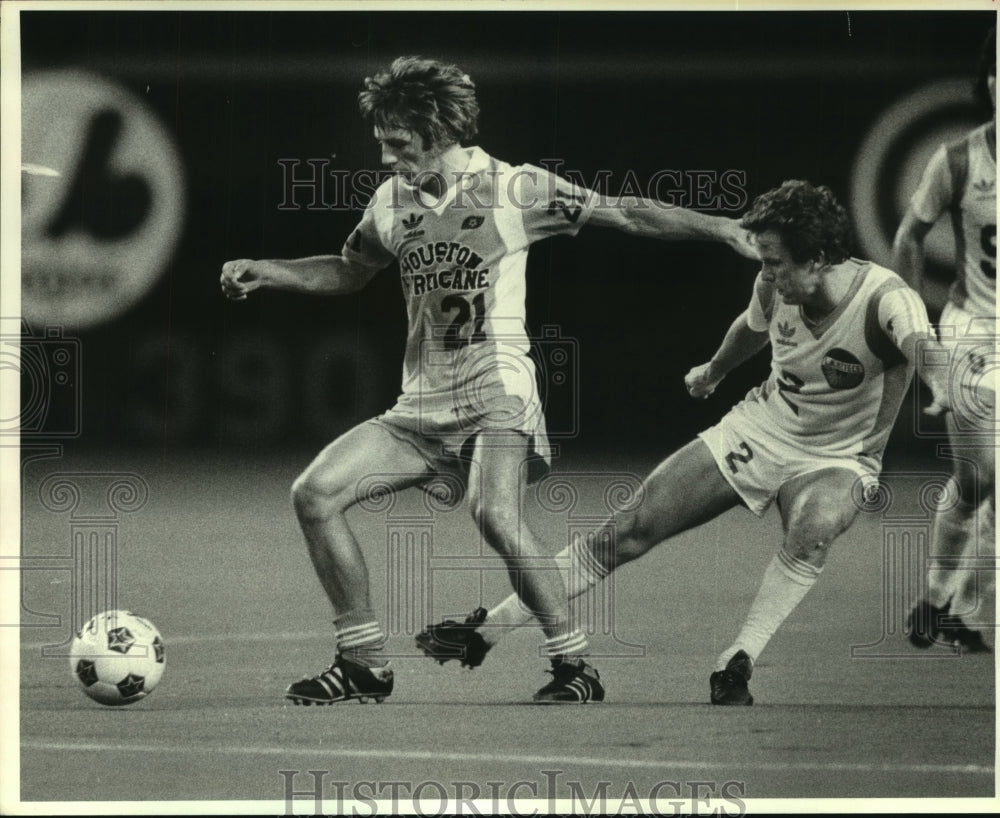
[118, 658]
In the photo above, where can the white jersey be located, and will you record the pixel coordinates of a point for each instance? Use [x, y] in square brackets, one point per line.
[836, 385]
[961, 179]
[462, 268]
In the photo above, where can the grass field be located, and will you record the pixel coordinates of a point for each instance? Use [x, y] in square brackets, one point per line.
[844, 707]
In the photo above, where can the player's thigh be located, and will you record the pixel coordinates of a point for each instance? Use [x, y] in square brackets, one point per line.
[362, 462]
[498, 476]
[817, 507]
[684, 491]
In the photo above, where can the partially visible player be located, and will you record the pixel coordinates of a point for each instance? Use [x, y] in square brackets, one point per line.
[844, 337]
[960, 182]
[459, 224]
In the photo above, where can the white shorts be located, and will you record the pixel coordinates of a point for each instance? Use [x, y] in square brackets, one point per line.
[757, 465]
[444, 432]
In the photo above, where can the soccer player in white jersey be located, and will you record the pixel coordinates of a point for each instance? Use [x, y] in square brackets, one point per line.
[458, 223]
[844, 336]
[960, 180]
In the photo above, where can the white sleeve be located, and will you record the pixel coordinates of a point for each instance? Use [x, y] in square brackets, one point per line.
[934, 192]
[901, 313]
[549, 204]
[761, 306]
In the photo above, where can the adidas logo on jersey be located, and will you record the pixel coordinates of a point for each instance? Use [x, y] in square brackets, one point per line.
[786, 331]
[410, 223]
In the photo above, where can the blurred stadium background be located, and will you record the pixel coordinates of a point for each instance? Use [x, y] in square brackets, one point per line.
[181, 137]
[178, 136]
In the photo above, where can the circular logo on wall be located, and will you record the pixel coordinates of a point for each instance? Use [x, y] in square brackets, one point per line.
[101, 219]
[842, 370]
[891, 159]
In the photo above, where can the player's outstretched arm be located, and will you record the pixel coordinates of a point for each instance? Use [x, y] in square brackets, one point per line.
[658, 220]
[740, 344]
[319, 275]
[936, 377]
[903, 318]
[908, 249]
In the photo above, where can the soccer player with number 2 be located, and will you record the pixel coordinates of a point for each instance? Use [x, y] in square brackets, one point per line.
[459, 224]
[844, 336]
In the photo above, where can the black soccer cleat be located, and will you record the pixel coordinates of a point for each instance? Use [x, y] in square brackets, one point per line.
[923, 627]
[729, 686]
[572, 683]
[455, 640]
[345, 679]
[963, 637]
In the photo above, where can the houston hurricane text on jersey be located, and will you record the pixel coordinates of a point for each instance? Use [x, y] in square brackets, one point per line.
[466, 275]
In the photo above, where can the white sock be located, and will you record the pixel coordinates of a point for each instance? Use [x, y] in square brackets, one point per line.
[569, 647]
[786, 581]
[360, 635]
[581, 571]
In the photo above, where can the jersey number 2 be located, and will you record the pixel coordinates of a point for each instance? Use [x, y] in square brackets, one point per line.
[453, 335]
[745, 455]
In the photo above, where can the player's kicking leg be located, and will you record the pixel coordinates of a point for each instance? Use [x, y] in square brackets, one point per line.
[322, 496]
[815, 509]
[684, 491]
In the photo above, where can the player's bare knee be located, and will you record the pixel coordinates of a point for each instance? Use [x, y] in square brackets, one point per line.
[311, 503]
[809, 539]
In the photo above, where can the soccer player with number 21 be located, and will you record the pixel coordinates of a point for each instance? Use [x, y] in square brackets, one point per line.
[459, 224]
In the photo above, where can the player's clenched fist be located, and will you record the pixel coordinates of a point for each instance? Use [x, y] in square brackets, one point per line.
[239, 278]
[701, 381]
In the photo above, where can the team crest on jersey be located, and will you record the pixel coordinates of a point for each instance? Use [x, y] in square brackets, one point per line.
[842, 370]
[472, 222]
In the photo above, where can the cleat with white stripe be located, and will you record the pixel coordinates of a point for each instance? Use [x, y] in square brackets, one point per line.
[345, 679]
[572, 683]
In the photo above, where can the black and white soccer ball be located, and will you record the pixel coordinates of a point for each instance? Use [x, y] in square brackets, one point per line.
[118, 658]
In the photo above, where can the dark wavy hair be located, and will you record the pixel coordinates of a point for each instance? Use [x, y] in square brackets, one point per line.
[987, 67]
[809, 220]
[430, 98]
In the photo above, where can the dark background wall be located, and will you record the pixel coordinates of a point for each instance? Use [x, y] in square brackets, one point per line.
[248, 96]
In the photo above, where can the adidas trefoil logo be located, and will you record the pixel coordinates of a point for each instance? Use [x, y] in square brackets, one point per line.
[412, 220]
[786, 331]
